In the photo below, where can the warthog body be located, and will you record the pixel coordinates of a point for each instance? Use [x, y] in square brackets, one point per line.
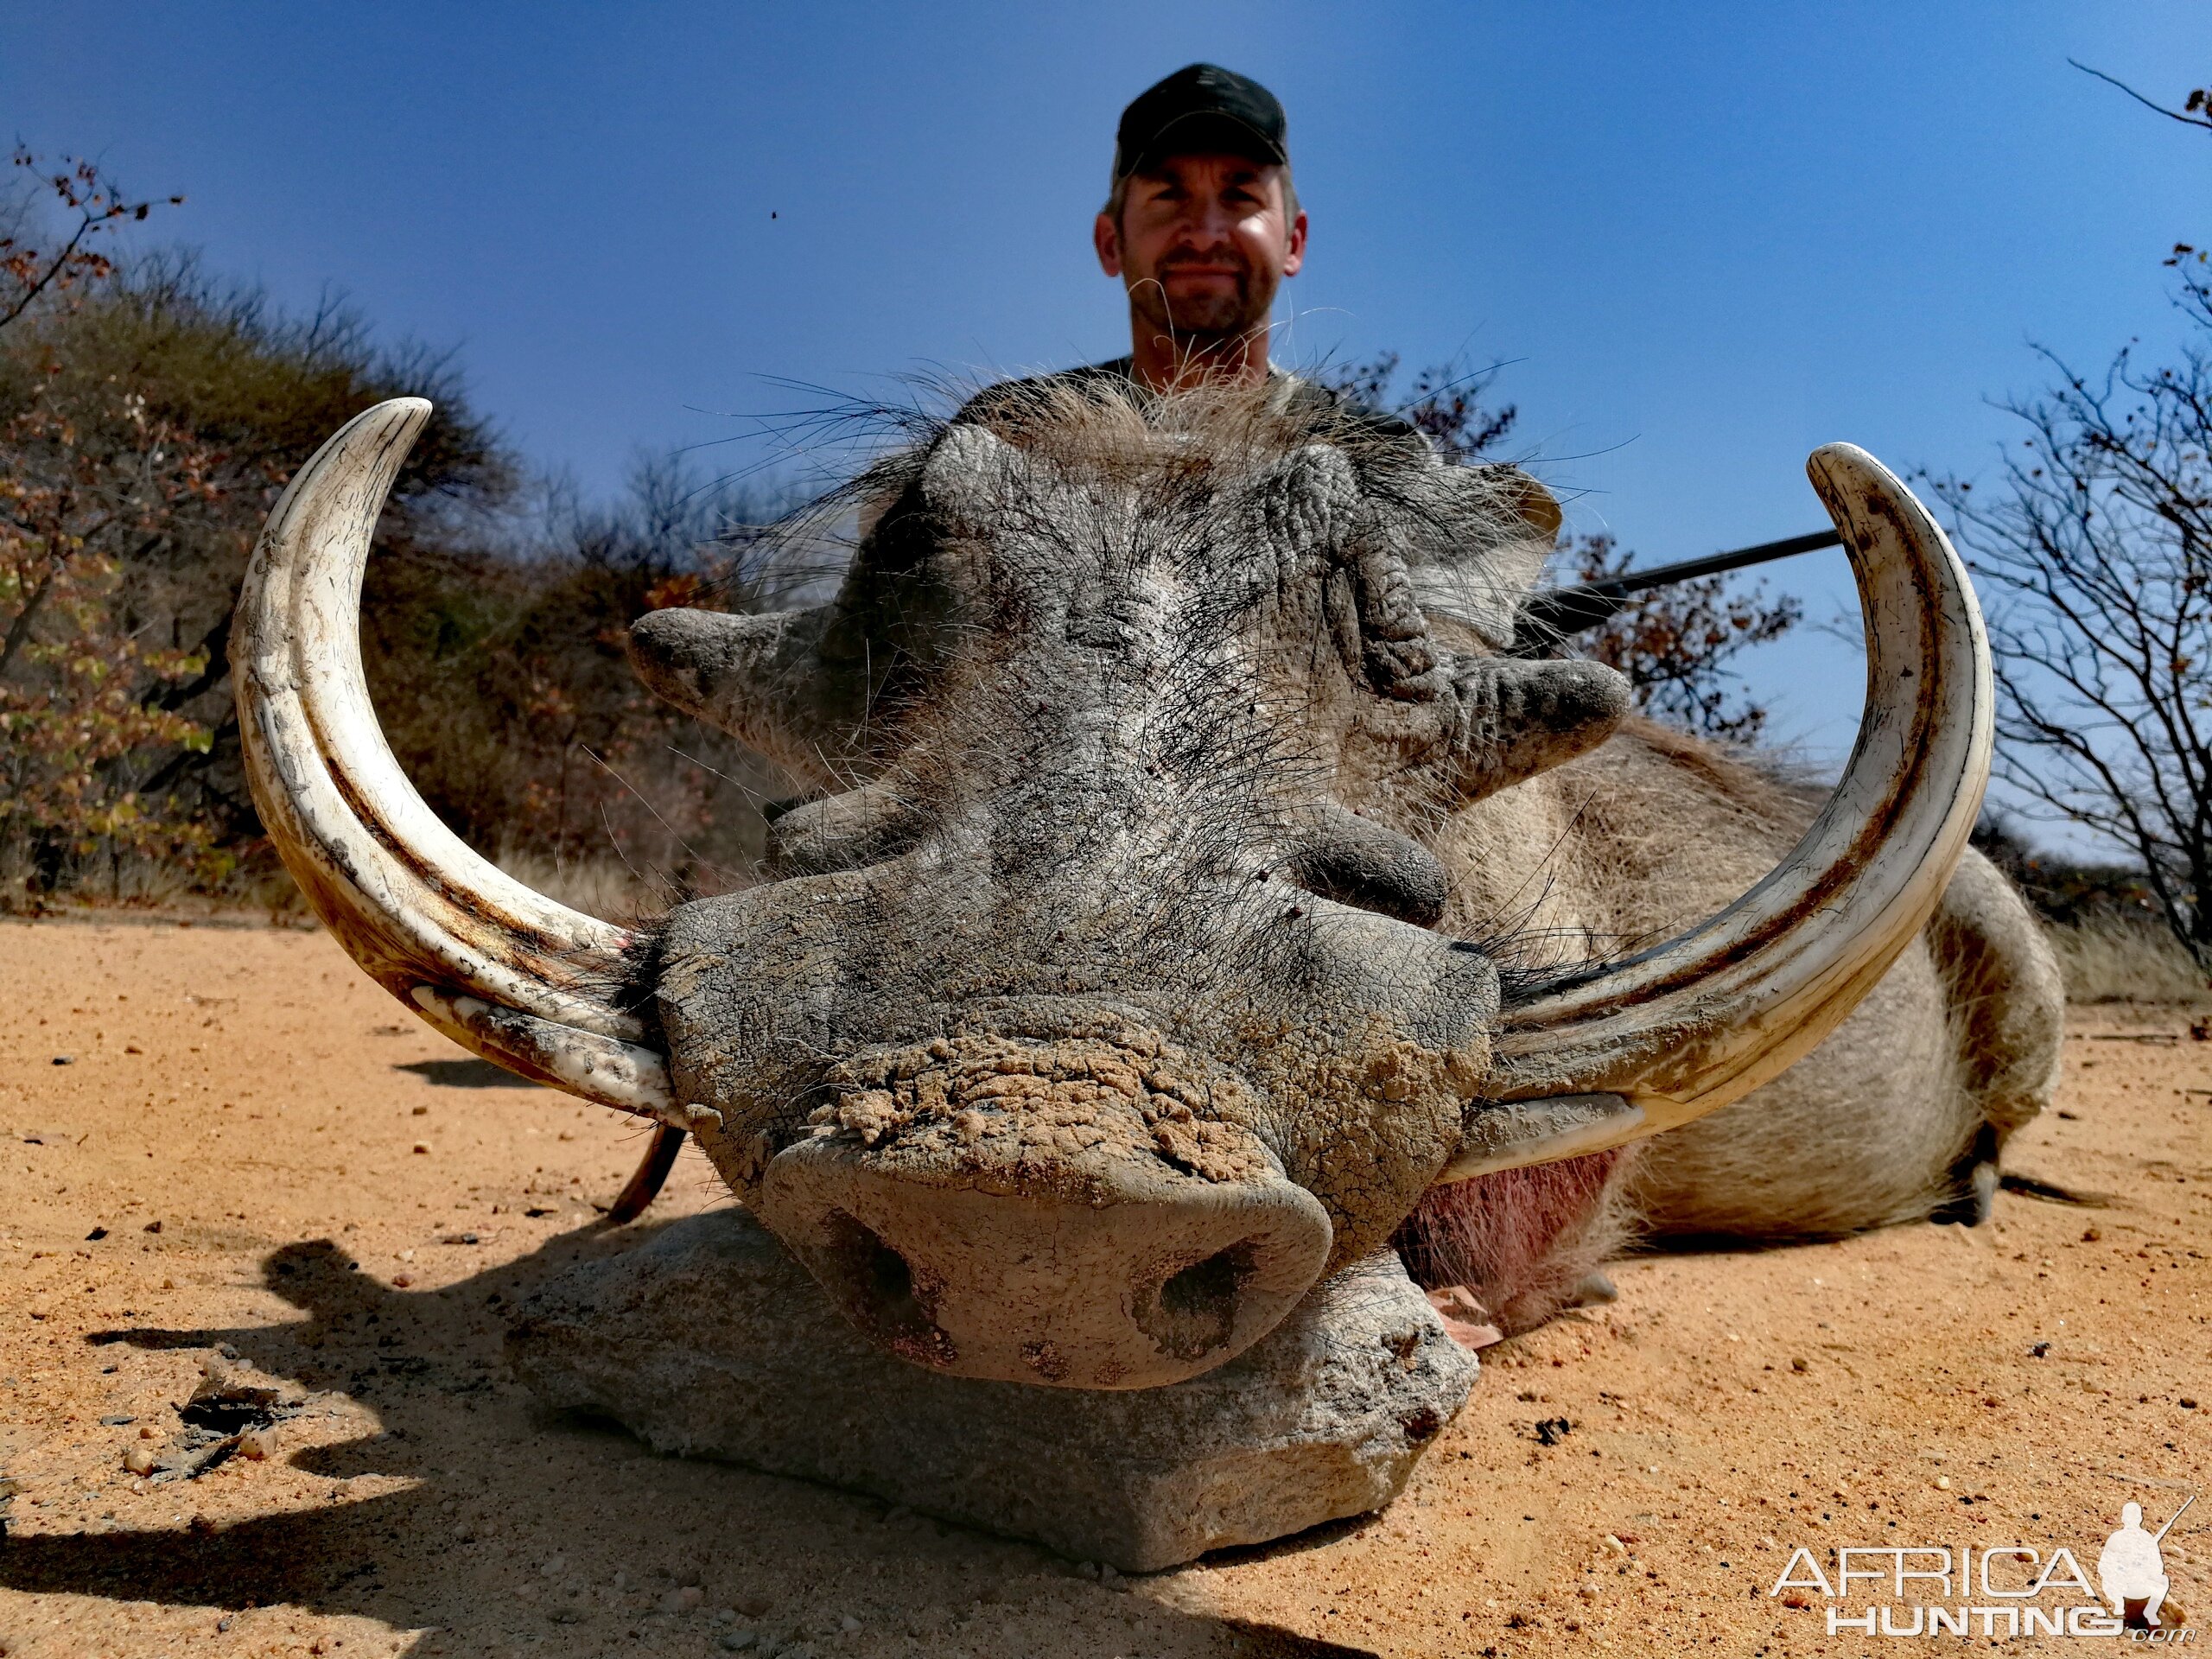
[1199, 902]
[1897, 1116]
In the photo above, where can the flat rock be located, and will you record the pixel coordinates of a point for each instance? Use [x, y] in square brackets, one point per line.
[710, 1341]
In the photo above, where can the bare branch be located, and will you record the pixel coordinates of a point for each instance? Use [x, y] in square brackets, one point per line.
[2197, 100]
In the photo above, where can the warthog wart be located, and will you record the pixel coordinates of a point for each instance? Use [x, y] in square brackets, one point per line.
[1198, 901]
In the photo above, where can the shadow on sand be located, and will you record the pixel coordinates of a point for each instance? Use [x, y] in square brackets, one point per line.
[524, 1531]
[465, 1074]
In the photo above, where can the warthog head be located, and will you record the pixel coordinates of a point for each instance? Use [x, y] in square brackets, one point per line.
[1101, 1010]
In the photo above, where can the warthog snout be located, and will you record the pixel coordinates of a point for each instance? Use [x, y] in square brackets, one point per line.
[1067, 1213]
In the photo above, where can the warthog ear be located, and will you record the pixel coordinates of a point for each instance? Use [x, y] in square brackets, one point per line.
[760, 678]
[1488, 542]
[971, 475]
[1516, 719]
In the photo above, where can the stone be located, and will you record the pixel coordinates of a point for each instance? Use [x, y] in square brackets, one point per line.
[710, 1341]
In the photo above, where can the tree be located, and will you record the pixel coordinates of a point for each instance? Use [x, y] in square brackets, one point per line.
[2093, 546]
[83, 492]
[1674, 644]
[150, 415]
[33, 264]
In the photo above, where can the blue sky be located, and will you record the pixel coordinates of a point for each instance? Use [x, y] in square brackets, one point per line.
[1709, 237]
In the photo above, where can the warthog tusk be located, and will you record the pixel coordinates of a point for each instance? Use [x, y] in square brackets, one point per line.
[525, 981]
[1504, 1135]
[1691, 1025]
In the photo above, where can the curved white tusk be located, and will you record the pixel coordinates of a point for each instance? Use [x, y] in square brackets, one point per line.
[408, 900]
[582, 1062]
[1701, 1020]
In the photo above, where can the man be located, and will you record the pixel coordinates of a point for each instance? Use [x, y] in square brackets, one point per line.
[1201, 225]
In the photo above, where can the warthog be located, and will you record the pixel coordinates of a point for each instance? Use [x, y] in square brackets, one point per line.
[1200, 901]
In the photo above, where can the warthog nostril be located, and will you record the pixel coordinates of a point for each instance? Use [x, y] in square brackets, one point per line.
[890, 1278]
[1194, 1311]
[1024, 1261]
[878, 1288]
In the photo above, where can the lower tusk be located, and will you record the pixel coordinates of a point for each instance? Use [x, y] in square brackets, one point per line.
[1512, 1134]
[612, 1072]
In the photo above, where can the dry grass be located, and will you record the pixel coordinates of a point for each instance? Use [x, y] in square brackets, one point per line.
[2105, 959]
[604, 888]
[2122, 959]
[135, 882]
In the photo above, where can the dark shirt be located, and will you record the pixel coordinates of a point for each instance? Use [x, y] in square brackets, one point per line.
[1119, 375]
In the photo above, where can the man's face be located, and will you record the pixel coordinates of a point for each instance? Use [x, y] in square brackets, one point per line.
[1203, 243]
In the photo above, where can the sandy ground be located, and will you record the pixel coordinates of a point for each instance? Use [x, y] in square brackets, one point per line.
[285, 1161]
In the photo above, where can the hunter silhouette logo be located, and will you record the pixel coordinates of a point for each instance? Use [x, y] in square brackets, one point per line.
[2131, 1569]
[2003, 1591]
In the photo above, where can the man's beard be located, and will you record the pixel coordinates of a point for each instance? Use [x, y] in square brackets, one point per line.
[1205, 321]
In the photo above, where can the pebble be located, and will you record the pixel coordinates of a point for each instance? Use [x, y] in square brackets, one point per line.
[685, 1600]
[257, 1444]
[1942, 1482]
[139, 1460]
[554, 1567]
[65, 1059]
[848, 1624]
[1589, 1591]
[736, 1640]
[422, 1146]
[1799, 1365]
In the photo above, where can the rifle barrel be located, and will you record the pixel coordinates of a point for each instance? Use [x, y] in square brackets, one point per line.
[1563, 611]
[2176, 1516]
[1636, 581]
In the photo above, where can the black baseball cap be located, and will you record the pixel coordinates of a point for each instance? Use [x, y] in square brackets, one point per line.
[1203, 107]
